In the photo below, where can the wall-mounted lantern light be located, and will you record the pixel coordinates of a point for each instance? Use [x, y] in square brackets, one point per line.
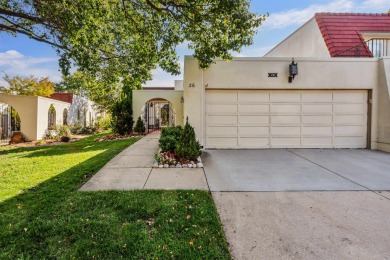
[182, 99]
[293, 68]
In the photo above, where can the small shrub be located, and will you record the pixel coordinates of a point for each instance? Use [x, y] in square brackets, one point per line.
[104, 122]
[169, 137]
[139, 126]
[76, 128]
[187, 147]
[63, 130]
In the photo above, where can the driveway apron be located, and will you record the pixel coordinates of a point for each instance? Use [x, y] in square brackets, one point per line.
[302, 203]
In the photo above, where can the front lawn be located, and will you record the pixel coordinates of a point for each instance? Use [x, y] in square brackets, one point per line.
[43, 216]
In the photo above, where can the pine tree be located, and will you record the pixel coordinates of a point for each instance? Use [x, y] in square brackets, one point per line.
[188, 147]
[139, 126]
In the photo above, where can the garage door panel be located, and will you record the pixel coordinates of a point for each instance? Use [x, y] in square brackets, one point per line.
[317, 96]
[280, 108]
[253, 96]
[222, 142]
[286, 119]
[317, 108]
[285, 96]
[350, 130]
[349, 108]
[254, 142]
[350, 96]
[285, 142]
[286, 130]
[253, 120]
[315, 142]
[218, 96]
[349, 119]
[317, 130]
[253, 109]
[317, 119]
[220, 131]
[254, 131]
[349, 142]
[221, 108]
[221, 120]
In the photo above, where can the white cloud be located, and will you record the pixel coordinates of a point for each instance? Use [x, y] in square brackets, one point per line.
[300, 16]
[15, 63]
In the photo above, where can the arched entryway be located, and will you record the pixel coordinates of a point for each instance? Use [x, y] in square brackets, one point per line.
[9, 122]
[158, 113]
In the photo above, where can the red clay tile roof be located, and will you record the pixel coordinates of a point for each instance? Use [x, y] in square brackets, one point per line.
[158, 88]
[62, 96]
[342, 31]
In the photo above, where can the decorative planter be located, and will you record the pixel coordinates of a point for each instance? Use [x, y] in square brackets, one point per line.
[193, 164]
[65, 139]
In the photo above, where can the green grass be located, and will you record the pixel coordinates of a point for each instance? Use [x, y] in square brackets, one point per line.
[43, 216]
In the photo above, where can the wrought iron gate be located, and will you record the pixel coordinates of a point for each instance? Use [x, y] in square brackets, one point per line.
[5, 124]
[158, 114]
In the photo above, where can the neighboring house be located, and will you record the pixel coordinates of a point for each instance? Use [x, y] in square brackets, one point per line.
[339, 99]
[81, 110]
[38, 114]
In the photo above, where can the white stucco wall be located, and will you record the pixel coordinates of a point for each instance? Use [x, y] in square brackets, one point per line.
[81, 105]
[307, 41]
[252, 73]
[43, 114]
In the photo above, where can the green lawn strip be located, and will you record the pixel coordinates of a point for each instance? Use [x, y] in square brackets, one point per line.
[43, 216]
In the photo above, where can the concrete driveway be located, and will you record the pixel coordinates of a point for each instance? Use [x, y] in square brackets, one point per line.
[302, 203]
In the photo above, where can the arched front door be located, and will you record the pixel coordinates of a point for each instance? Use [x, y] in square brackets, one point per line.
[158, 113]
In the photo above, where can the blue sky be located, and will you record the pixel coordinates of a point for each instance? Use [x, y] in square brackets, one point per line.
[22, 56]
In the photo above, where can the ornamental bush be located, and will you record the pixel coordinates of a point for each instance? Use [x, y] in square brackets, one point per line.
[169, 137]
[139, 126]
[122, 115]
[187, 147]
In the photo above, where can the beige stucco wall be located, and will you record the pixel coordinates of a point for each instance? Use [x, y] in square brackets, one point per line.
[383, 106]
[252, 73]
[307, 41]
[140, 97]
[27, 107]
[33, 112]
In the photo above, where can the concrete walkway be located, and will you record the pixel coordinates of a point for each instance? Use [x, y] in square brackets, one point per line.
[132, 169]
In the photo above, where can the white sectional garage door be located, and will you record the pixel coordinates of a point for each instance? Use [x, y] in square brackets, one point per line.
[286, 119]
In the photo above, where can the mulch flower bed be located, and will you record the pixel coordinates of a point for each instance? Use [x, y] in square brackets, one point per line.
[169, 160]
[115, 137]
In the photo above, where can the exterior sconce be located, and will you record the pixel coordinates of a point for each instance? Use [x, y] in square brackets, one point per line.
[182, 100]
[293, 68]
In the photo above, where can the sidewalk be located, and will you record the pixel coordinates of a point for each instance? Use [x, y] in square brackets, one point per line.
[132, 169]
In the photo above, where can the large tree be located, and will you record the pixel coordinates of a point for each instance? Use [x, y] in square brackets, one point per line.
[113, 38]
[83, 84]
[27, 86]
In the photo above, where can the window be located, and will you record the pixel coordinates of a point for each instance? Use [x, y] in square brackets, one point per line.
[65, 117]
[52, 118]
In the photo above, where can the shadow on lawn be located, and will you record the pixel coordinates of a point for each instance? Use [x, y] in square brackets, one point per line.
[79, 146]
[53, 220]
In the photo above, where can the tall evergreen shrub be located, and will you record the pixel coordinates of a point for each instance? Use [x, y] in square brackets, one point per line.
[122, 114]
[187, 147]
